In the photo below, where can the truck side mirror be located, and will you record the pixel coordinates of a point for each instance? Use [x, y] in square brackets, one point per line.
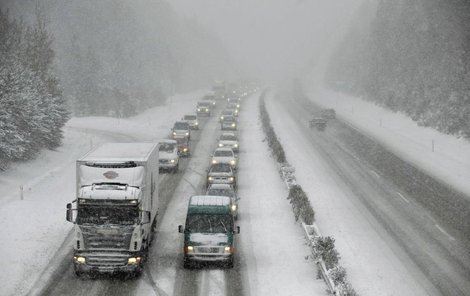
[69, 213]
[237, 231]
[145, 217]
[180, 229]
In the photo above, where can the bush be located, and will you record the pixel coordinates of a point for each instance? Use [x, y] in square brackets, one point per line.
[324, 248]
[301, 205]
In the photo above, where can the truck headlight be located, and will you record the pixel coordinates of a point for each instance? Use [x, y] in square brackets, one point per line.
[189, 249]
[228, 249]
[234, 208]
[79, 259]
[134, 260]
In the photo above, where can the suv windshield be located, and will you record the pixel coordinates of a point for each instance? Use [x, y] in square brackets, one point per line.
[190, 117]
[167, 147]
[228, 138]
[208, 223]
[221, 168]
[221, 192]
[223, 153]
[181, 125]
[104, 215]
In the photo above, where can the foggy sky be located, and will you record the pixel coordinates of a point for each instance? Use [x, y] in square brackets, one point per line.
[272, 40]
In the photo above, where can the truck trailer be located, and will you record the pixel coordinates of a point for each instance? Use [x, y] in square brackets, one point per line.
[116, 207]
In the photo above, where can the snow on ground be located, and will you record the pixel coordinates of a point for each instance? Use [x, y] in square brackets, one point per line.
[450, 160]
[272, 241]
[371, 264]
[35, 227]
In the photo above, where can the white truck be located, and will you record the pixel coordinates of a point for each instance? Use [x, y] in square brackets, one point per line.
[116, 206]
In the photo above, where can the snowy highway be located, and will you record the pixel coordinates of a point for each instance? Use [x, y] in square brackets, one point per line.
[387, 193]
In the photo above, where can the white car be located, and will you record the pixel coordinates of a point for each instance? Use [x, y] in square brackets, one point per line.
[192, 120]
[181, 129]
[168, 155]
[229, 140]
[225, 190]
[225, 155]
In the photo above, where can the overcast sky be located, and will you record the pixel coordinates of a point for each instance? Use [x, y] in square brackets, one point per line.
[272, 39]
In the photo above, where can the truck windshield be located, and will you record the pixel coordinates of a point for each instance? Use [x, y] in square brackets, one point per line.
[207, 223]
[107, 215]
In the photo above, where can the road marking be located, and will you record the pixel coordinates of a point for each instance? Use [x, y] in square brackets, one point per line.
[443, 231]
[402, 197]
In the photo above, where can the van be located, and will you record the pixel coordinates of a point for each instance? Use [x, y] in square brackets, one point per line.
[209, 231]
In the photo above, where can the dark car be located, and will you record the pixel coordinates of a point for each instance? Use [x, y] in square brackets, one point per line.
[204, 108]
[183, 146]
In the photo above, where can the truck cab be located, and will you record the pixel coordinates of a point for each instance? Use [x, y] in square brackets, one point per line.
[209, 231]
[115, 209]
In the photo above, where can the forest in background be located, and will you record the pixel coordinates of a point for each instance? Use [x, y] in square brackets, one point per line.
[410, 56]
[93, 58]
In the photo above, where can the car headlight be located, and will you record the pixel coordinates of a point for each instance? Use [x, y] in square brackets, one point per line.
[198, 109]
[230, 179]
[187, 134]
[221, 145]
[214, 161]
[210, 178]
[197, 123]
[79, 259]
[172, 161]
[134, 260]
[232, 162]
[221, 118]
[174, 133]
[238, 105]
[235, 145]
[233, 124]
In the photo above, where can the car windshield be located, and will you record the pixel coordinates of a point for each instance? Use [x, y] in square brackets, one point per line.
[228, 138]
[221, 168]
[228, 118]
[181, 141]
[227, 112]
[209, 223]
[108, 215]
[181, 125]
[190, 117]
[167, 147]
[223, 153]
[221, 192]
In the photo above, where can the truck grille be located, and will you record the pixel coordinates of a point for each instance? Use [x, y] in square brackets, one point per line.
[97, 238]
[209, 250]
[107, 260]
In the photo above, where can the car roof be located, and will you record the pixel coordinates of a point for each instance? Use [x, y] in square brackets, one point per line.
[228, 134]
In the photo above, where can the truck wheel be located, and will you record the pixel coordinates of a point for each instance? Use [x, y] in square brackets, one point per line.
[230, 263]
[187, 264]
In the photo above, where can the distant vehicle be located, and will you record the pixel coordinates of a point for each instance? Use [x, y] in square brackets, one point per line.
[233, 106]
[329, 113]
[230, 140]
[219, 89]
[225, 155]
[226, 112]
[168, 155]
[192, 120]
[181, 129]
[210, 98]
[209, 231]
[228, 123]
[318, 122]
[234, 99]
[116, 208]
[183, 146]
[203, 108]
[221, 173]
[225, 190]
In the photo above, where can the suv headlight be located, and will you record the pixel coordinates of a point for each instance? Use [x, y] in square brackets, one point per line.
[134, 260]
